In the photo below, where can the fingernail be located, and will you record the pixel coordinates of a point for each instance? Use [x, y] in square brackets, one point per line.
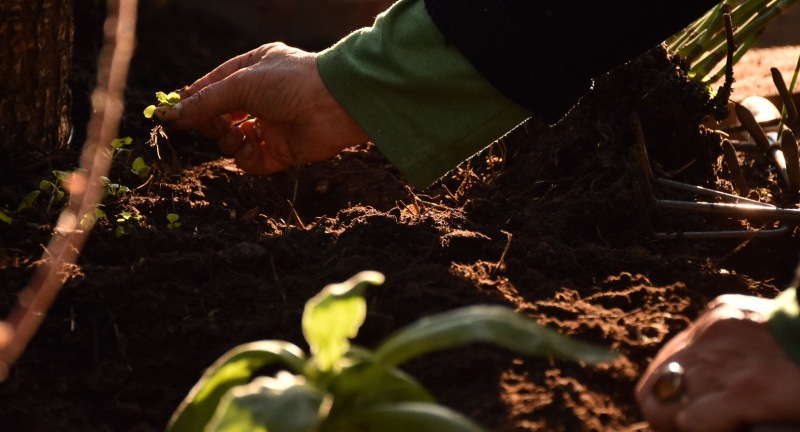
[169, 113]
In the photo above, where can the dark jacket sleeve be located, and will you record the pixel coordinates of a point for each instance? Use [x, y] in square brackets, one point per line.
[543, 55]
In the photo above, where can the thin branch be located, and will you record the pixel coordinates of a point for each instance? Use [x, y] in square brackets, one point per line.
[85, 187]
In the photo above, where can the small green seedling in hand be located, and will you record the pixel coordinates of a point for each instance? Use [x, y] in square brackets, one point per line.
[172, 218]
[164, 99]
[140, 168]
[344, 388]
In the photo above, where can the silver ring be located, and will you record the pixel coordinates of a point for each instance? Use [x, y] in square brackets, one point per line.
[670, 383]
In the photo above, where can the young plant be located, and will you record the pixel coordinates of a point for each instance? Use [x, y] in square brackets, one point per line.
[703, 43]
[53, 187]
[112, 189]
[173, 218]
[343, 388]
[125, 221]
[164, 99]
[140, 168]
[89, 219]
[118, 146]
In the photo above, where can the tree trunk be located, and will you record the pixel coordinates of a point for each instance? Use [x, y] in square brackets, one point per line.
[36, 38]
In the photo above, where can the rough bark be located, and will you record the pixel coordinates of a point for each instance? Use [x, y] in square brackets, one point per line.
[36, 38]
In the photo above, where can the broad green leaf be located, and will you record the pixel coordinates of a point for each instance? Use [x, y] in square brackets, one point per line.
[6, 218]
[334, 315]
[489, 324]
[362, 384]
[173, 217]
[234, 368]
[46, 185]
[413, 416]
[282, 404]
[149, 111]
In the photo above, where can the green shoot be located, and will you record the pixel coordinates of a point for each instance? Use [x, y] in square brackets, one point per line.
[341, 387]
[118, 146]
[173, 218]
[112, 189]
[53, 187]
[164, 99]
[89, 219]
[29, 200]
[703, 43]
[6, 218]
[125, 221]
[140, 168]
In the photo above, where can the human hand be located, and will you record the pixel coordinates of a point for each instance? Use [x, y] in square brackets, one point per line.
[269, 109]
[732, 373]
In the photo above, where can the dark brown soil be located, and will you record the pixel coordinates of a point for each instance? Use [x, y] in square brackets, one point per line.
[545, 221]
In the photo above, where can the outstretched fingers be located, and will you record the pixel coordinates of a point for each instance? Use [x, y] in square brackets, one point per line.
[224, 70]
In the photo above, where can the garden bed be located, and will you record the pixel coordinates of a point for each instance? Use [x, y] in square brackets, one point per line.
[545, 222]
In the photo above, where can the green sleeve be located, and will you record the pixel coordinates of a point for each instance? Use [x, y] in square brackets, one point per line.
[419, 100]
[785, 322]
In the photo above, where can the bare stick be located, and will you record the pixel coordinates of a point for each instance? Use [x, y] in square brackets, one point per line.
[85, 187]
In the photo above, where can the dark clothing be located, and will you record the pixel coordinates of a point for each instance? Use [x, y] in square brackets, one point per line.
[543, 55]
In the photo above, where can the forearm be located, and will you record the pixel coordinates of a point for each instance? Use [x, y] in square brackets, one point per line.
[545, 55]
[419, 100]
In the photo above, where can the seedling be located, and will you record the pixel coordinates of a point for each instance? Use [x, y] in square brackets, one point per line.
[173, 218]
[140, 168]
[164, 99]
[118, 146]
[53, 187]
[89, 219]
[341, 387]
[124, 222]
[113, 189]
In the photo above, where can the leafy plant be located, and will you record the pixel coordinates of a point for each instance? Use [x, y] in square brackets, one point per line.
[173, 218]
[703, 43]
[164, 99]
[342, 387]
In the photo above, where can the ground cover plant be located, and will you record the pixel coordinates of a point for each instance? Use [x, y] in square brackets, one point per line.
[544, 223]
